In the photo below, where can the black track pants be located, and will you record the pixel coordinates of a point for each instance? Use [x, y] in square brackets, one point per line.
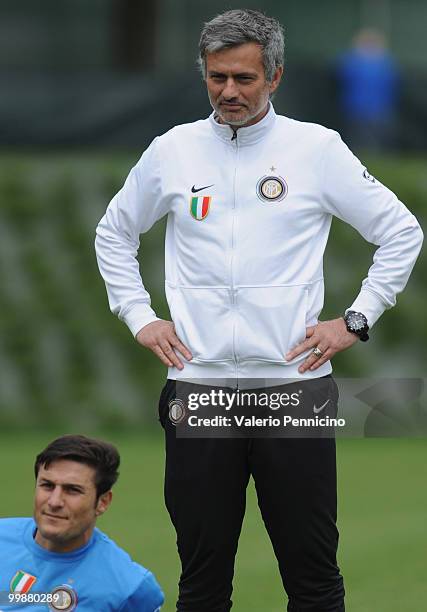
[205, 493]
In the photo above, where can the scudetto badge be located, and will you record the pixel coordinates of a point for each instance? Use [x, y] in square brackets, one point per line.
[22, 582]
[199, 207]
[272, 188]
[65, 598]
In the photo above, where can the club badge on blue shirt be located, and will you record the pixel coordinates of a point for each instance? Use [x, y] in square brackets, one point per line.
[64, 598]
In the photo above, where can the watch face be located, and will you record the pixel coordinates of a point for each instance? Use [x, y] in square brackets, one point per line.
[357, 321]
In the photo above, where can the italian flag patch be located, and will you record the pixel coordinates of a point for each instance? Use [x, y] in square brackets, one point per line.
[22, 582]
[199, 207]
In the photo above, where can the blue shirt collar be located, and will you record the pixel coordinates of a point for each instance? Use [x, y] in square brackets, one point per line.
[40, 551]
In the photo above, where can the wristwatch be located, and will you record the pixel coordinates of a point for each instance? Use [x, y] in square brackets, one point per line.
[357, 323]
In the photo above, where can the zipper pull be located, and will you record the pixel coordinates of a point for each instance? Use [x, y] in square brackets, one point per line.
[234, 137]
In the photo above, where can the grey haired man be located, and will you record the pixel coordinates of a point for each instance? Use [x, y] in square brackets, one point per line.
[249, 197]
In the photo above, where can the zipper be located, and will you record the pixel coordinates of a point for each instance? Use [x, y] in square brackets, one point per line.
[234, 140]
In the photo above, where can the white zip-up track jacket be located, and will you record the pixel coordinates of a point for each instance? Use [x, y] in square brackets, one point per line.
[249, 214]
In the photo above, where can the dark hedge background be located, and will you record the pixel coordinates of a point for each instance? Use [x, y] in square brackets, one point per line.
[64, 359]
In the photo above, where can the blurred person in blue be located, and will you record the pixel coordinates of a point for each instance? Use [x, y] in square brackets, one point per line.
[249, 197]
[368, 84]
[59, 560]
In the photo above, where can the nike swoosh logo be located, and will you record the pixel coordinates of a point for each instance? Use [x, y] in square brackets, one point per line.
[317, 410]
[194, 190]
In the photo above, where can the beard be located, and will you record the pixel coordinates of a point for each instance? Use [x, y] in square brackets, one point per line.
[241, 117]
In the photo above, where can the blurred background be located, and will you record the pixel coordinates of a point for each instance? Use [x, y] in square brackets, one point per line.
[85, 88]
[119, 72]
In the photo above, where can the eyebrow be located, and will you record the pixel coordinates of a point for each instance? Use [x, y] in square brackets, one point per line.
[64, 485]
[239, 74]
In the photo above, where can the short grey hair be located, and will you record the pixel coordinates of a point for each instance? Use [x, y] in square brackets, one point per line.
[241, 26]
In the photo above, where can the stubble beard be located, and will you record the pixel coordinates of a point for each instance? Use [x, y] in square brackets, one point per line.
[246, 115]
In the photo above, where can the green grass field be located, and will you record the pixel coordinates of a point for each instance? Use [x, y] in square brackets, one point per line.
[382, 519]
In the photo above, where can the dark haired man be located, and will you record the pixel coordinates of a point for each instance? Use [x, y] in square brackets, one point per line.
[60, 559]
[250, 197]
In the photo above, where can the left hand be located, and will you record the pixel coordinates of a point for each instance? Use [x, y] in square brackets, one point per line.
[330, 337]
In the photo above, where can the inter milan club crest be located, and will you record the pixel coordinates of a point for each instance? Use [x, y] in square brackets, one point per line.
[177, 411]
[271, 188]
[199, 207]
[64, 598]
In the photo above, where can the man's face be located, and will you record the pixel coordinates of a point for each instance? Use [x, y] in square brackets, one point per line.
[65, 505]
[237, 88]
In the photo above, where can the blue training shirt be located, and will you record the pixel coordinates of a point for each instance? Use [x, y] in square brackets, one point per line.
[98, 577]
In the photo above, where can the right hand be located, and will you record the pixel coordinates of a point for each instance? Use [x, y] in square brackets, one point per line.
[160, 337]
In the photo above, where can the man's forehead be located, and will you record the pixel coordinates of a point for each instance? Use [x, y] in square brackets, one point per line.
[66, 470]
[241, 57]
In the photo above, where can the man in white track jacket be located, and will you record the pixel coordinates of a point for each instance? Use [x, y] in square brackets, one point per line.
[249, 197]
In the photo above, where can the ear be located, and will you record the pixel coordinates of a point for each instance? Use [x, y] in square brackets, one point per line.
[103, 503]
[276, 79]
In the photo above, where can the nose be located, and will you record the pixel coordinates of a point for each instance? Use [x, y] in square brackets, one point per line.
[56, 498]
[230, 90]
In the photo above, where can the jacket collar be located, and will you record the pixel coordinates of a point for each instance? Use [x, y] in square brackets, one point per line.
[245, 135]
